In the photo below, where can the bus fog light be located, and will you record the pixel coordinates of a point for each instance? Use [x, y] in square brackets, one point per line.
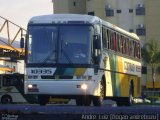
[84, 86]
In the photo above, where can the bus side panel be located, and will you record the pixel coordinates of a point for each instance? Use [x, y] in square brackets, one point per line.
[119, 79]
[114, 75]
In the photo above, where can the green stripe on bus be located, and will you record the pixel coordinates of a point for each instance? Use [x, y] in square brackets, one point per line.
[69, 71]
[117, 77]
[114, 75]
[59, 71]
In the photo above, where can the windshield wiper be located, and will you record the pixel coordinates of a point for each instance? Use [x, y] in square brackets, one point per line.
[49, 57]
[66, 55]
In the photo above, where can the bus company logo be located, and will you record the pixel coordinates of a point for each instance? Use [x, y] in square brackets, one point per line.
[129, 66]
[42, 71]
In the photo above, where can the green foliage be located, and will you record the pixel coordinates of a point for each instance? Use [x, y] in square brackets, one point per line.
[151, 52]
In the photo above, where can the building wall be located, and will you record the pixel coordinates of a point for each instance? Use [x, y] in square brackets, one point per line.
[61, 6]
[69, 6]
[125, 16]
[77, 6]
[13, 67]
[122, 17]
[97, 7]
[152, 19]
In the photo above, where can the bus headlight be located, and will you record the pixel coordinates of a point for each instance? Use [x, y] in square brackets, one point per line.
[84, 86]
[30, 86]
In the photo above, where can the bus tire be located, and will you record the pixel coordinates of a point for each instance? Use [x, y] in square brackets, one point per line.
[6, 99]
[129, 100]
[98, 100]
[126, 101]
[43, 99]
[87, 101]
[79, 101]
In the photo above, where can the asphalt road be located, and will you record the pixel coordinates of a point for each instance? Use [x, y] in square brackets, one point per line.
[73, 112]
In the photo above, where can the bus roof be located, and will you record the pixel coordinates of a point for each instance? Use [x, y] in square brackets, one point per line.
[78, 19]
[65, 18]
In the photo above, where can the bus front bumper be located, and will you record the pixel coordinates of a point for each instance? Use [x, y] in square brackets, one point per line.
[62, 87]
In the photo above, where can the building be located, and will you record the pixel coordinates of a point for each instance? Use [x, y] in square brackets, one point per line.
[132, 15]
[8, 64]
[138, 16]
[69, 6]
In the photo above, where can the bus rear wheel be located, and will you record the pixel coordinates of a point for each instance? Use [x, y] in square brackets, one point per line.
[43, 99]
[98, 100]
[129, 100]
[6, 99]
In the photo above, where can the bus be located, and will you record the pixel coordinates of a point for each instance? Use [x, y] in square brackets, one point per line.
[81, 57]
[12, 89]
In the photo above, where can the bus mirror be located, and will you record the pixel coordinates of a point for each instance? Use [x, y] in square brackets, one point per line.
[144, 70]
[97, 43]
[22, 43]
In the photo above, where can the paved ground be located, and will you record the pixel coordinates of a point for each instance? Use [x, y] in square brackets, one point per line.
[73, 112]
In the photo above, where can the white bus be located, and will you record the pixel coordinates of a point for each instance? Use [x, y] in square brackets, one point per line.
[12, 89]
[81, 57]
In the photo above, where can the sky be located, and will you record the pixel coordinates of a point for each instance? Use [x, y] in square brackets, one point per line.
[20, 11]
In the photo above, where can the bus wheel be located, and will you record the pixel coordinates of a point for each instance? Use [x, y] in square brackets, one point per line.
[79, 101]
[129, 100]
[86, 101]
[43, 99]
[98, 100]
[6, 99]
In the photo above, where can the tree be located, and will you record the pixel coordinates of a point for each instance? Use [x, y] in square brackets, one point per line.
[151, 56]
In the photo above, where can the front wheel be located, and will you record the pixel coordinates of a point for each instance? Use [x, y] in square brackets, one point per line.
[43, 99]
[85, 100]
[98, 100]
[129, 100]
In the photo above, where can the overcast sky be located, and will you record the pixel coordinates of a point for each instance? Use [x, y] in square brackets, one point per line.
[20, 11]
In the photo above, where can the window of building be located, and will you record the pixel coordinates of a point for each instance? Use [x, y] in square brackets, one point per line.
[141, 31]
[91, 13]
[130, 10]
[140, 10]
[119, 11]
[74, 3]
[131, 30]
[109, 11]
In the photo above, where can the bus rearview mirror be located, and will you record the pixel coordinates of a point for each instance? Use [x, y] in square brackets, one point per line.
[96, 42]
[22, 43]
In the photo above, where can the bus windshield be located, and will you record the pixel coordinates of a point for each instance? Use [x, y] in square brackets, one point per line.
[64, 44]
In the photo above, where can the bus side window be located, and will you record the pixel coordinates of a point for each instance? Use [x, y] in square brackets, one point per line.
[108, 36]
[124, 45]
[130, 48]
[121, 44]
[139, 51]
[134, 49]
[104, 38]
[118, 43]
[127, 46]
[115, 41]
[112, 40]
